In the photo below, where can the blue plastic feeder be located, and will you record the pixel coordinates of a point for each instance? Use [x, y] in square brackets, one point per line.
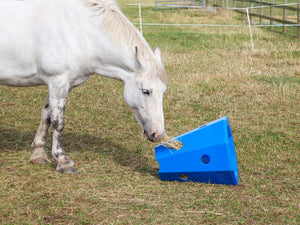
[207, 156]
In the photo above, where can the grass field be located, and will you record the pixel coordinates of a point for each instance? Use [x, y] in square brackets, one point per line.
[212, 72]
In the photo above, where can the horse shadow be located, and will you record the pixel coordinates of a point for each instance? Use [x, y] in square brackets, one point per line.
[19, 140]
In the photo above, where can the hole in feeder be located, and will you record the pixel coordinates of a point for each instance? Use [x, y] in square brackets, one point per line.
[184, 177]
[205, 159]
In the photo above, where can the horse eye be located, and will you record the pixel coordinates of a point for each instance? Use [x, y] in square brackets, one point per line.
[146, 92]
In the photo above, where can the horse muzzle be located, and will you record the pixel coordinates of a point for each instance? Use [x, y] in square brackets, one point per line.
[154, 136]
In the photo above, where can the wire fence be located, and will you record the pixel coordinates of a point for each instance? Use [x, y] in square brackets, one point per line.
[267, 12]
[246, 10]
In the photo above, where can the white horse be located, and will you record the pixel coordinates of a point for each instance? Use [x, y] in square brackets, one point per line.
[61, 43]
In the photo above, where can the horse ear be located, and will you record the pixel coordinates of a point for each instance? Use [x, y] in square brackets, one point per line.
[139, 58]
[157, 53]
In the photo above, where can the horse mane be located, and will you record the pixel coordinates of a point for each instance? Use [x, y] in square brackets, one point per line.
[122, 32]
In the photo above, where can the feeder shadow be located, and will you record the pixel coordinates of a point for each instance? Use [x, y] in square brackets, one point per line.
[18, 140]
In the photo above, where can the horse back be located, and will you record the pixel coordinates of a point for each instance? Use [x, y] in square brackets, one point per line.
[40, 37]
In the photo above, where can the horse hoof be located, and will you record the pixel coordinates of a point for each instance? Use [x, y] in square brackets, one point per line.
[39, 156]
[39, 161]
[68, 170]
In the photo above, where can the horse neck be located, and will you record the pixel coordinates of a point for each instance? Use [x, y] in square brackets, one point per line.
[114, 63]
[108, 59]
[118, 62]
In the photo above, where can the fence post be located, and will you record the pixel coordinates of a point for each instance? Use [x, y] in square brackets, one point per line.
[251, 11]
[249, 23]
[272, 14]
[284, 18]
[298, 20]
[140, 15]
[261, 13]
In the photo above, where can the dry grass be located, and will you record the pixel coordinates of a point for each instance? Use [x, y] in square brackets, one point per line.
[212, 73]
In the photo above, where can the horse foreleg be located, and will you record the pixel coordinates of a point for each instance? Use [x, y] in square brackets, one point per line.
[58, 100]
[39, 155]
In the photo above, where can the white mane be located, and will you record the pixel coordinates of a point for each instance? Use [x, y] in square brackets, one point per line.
[122, 32]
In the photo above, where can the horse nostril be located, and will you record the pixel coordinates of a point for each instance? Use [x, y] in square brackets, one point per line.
[153, 136]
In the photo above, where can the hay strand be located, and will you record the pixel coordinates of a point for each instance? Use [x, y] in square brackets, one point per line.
[167, 142]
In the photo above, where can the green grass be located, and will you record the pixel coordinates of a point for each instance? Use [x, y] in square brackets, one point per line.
[212, 72]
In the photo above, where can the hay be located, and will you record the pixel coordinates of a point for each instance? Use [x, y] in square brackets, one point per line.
[167, 142]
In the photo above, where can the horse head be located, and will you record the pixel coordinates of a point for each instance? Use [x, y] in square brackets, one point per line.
[144, 94]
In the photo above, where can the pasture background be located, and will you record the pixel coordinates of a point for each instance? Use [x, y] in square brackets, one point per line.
[212, 72]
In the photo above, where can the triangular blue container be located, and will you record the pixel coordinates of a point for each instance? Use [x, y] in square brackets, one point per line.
[207, 156]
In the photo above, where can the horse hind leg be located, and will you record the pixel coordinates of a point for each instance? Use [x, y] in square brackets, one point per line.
[39, 155]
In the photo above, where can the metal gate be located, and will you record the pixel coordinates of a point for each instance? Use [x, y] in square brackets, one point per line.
[173, 4]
